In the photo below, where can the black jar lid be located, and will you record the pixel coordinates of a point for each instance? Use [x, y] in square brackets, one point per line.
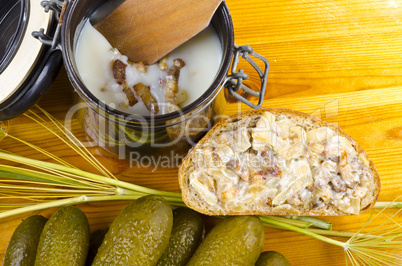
[27, 66]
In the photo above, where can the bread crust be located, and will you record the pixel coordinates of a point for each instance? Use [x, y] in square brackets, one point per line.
[186, 165]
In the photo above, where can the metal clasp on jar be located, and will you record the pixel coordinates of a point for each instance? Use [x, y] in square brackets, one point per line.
[234, 81]
[57, 7]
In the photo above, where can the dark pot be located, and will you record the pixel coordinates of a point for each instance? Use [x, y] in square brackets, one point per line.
[128, 135]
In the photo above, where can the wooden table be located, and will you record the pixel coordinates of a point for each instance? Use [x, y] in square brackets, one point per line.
[339, 60]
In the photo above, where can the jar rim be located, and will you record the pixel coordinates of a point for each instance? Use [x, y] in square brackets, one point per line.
[221, 17]
[25, 51]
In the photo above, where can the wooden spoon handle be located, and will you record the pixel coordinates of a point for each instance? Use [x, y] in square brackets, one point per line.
[146, 30]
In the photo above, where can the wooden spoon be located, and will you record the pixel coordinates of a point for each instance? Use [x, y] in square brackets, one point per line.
[146, 30]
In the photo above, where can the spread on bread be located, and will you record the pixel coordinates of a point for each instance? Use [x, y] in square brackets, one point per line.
[280, 164]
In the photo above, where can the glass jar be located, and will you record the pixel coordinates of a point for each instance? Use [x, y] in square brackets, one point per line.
[172, 134]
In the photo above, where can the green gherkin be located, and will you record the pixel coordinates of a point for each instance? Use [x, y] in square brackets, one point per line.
[21, 249]
[64, 239]
[187, 234]
[272, 258]
[95, 242]
[138, 235]
[235, 240]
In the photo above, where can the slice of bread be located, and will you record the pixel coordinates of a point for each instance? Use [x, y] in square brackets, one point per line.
[278, 162]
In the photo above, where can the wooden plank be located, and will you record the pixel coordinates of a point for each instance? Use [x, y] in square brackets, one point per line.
[338, 60]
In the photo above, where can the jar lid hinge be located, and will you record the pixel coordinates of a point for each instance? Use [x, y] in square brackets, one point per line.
[57, 7]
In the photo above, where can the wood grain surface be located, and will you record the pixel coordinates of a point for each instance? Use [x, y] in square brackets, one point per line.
[339, 60]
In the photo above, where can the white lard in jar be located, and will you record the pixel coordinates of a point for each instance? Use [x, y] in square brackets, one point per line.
[95, 56]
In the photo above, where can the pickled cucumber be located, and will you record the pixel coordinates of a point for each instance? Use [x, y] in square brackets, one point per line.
[187, 234]
[95, 241]
[235, 240]
[272, 258]
[138, 235]
[64, 239]
[21, 249]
